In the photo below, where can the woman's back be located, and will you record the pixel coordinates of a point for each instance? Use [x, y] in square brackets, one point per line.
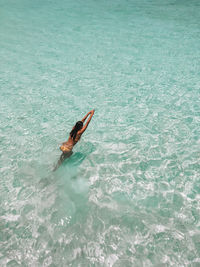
[76, 133]
[74, 137]
[72, 141]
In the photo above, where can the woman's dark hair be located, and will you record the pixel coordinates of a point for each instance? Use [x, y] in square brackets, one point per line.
[76, 128]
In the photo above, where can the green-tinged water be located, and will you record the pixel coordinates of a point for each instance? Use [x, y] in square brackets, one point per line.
[130, 193]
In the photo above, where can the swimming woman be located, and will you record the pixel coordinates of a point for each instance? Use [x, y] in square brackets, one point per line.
[74, 136]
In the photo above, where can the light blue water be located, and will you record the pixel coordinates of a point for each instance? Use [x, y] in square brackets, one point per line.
[129, 195]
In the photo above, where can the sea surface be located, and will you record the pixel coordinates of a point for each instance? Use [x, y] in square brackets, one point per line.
[130, 193]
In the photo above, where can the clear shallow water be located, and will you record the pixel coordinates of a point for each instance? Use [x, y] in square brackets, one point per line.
[129, 195]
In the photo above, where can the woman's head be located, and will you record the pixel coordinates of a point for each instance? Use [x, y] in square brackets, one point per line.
[78, 126]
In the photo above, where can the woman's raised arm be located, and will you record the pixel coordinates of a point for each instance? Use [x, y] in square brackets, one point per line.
[91, 113]
[85, 117]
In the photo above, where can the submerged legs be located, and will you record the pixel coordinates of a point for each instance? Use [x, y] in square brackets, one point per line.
[62, 158]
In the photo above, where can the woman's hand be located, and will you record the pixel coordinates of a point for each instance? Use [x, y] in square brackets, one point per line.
[90, 112]
[88, 121]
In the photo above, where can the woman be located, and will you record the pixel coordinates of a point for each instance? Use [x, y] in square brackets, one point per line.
[74, 137]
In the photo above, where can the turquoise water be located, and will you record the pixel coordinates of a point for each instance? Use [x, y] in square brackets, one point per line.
[129, 195]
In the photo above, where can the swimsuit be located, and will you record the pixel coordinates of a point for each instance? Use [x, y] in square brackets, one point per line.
[66, 148]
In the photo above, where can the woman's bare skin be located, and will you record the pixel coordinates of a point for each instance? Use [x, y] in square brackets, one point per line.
[74, 137]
